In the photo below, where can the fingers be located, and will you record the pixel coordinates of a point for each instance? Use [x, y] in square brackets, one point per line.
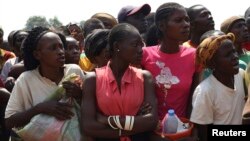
[61, 111]
[145, 108]
[68, 85]
[72, 90]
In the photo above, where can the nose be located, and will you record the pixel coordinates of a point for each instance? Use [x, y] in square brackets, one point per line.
[186, 24]
[60, 51]
[210, 16]
[245, 28]
[236, 56]
[76, 51]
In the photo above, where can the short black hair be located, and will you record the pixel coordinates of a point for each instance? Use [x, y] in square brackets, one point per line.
[151, 36]
[210, 33]
[191, 12]
[92, 24]
[30, 45]
[95, 43]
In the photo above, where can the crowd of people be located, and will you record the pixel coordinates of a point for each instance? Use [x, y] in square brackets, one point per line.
[130, 71]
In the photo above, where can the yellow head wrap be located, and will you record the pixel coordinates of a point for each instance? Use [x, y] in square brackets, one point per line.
[208, 47]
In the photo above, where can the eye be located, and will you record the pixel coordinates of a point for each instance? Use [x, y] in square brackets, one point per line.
[178, 20]
[187, 19]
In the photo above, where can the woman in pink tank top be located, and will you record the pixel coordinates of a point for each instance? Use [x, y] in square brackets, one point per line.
[119, 100]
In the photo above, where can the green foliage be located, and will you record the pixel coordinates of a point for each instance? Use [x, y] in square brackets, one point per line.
[82, 24]
[35, 21]
[54, 22]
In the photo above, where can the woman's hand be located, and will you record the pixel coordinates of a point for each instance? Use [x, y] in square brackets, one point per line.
[102, 119]
[144, 109]
[61, 111]
[9, 83]
[72, 89]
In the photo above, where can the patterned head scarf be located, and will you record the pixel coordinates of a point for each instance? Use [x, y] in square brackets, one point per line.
[208, 47]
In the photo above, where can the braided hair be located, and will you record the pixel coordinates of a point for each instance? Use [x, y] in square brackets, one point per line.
[163, 13]
[30, 45]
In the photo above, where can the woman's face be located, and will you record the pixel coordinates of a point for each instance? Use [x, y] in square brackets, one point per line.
[18, 42]
[226, 59]
[131, 48]
[50, 51]
[177, 26]
[72, 53]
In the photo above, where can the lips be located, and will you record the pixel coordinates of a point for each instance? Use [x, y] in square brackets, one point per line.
[211, 23]
[246, 36]
[76, 58]
[185, 32]
[61, 59]
[236, 64]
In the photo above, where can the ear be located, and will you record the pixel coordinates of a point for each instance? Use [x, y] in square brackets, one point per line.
[161, 26]
[116, 46]
[93, 60]
[211, 64]
[37, 54]
[192, 25]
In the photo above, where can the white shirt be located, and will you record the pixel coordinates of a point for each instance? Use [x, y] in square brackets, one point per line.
[7, 67]
[215, 103]
[31, 88]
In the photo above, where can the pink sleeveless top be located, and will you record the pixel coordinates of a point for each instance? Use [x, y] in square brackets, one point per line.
[110, 101]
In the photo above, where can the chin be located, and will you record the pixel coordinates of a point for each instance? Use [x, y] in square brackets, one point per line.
[236, 71]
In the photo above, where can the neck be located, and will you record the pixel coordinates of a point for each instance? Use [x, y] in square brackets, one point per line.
[227, 80]
[239, 49]
[195, 39]
[118, 67]
[170, 47]
[53, 74]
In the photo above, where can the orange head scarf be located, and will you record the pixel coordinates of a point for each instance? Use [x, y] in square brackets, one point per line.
[208, 47]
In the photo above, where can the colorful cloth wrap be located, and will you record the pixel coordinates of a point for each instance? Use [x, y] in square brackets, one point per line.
[208, 47]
